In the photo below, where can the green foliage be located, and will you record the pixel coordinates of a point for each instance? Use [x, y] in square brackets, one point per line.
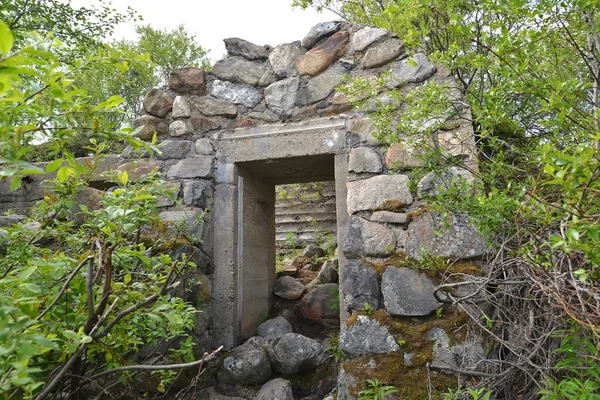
[334, 304]
[530, 74]
[290, 240]
[367, 308]
[95, 295]
[80, 28]
[40, 102]
[333, 348]
[377, 391]
[579, 363]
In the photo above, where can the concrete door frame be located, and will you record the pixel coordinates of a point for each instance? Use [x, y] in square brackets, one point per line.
[243, 154]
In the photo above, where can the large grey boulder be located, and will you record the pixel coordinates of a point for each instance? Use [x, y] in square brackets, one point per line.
[319, 31]
[366, 238]
[313, 250]
[239, 70]
[329, 271]
[288, 288]
[210, 106]
[197, 193]
[360, 285]
[277, 389]
[453, 238]
[379, 193]
[281, 96]
[246, 49]
[204, 147]
[194, 167]
[247, 364]
[292, 353]
[364, 159]
[440, 181]
[321, 304]
[367, 336]
[414, 69]
[157, 103]
[175, 149]
[148, 125]
[382, 53]
[274, 327]
[366, 36]
[408, 292]
[284, 57]
[321, 86]
[237, 93]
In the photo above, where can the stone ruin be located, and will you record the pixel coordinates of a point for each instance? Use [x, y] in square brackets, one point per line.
[269, 116]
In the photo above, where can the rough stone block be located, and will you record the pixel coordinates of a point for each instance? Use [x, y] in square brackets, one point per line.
[367, 36]
[284, 58]
[400, 156]
[179, 128]
[383, 192]
[277, 389]
[281, 96]
[321, 86]
[198, 194]
[408, 292]
[188, 81]
[319, 31]
[366, 238]
[364, 159]
[319, 304]
[274, 328]
[210, 106]
[367, 336]
[239, 70]
[149, 125]
[195, 167]
[175, 149]
[181, 108]
[236, 93]
[414, 69]
[459, 240]
[382, 53]
[157, 103]
[321, 57]
[360, 285]
[246, 49]
[204, 147]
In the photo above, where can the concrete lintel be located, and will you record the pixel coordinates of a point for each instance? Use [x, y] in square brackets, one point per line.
[277, 129]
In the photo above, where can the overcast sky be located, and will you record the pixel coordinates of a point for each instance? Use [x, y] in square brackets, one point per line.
[260, 21]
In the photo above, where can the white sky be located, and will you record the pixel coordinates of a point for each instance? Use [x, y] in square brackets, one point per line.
[260, 21]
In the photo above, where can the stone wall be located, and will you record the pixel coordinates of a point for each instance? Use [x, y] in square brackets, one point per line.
[267, 116]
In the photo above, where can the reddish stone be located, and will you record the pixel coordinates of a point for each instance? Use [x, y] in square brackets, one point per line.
[335, 109]
[321, 57]
[188, 81]
[204, 124]
[244, 123]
